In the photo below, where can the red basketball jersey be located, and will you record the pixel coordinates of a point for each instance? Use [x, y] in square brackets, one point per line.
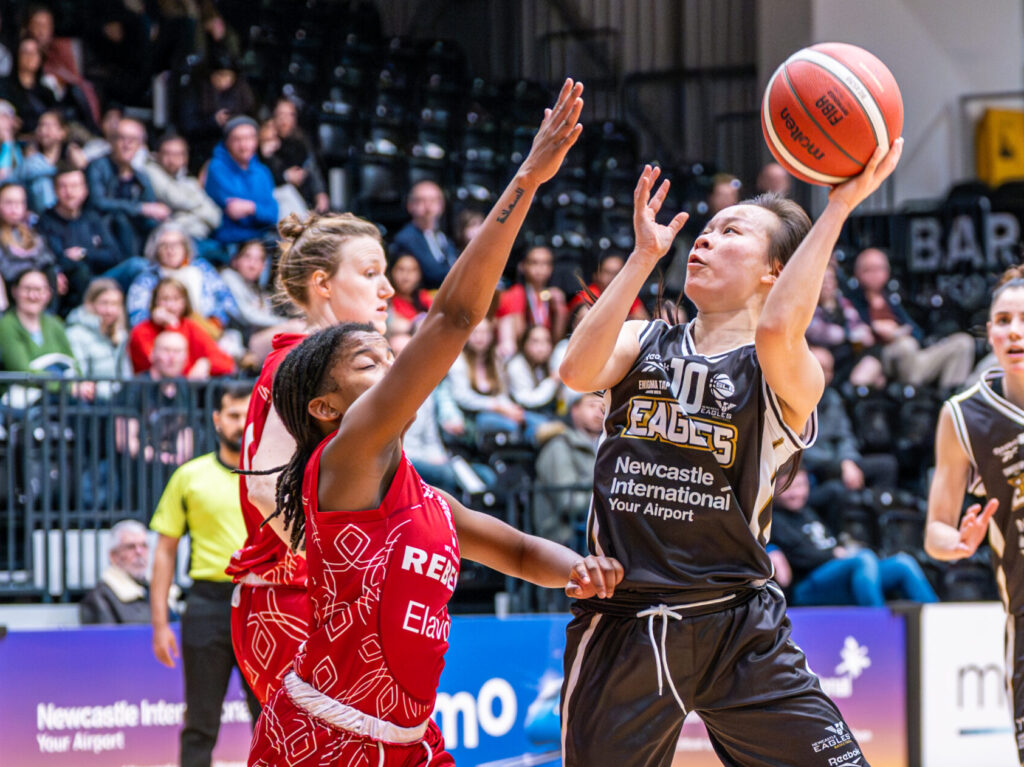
[264, 553]
[380, 581]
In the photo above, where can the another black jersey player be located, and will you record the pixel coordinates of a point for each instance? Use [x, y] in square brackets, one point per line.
[979, 447]
[699, 418]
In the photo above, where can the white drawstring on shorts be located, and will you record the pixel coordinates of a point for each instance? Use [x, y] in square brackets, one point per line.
[660, 655]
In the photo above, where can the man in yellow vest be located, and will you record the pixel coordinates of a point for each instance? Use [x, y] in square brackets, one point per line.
[202, 498]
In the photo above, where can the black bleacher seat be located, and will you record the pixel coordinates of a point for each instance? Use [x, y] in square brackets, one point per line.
[1009, 196]
[338, 135]
[615, 149]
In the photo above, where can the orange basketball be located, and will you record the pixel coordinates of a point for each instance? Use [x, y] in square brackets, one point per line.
[827, 108]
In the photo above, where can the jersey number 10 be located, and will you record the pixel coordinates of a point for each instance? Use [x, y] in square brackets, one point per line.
[688, 380]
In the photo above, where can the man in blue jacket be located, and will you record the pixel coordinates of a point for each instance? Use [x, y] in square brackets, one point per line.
[241, 185]
[422, 237]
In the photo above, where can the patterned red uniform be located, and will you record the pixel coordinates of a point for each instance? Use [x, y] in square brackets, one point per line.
[271, 612]
[365, 681]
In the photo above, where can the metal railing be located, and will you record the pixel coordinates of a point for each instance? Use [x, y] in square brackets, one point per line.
[77, 457]
[72, 466]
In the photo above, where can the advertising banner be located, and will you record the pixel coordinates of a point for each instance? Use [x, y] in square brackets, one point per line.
[858, 653]
[965, 714]
[96, 697]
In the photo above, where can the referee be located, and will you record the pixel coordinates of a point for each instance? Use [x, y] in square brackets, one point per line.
[202, 498]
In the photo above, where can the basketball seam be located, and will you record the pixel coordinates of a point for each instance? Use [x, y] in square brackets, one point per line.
[849, 90]
[776, 145]
[825, 133]
[810, 57]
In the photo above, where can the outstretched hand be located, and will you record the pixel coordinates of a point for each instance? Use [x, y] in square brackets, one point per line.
[556, 135]
[653, 239]
[882, 163]
[594, 576]
[974, 526]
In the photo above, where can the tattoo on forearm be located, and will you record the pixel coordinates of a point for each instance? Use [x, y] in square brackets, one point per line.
[506, 212]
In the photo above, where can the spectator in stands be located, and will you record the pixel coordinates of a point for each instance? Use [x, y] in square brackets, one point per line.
[84, 245]
[31, 339]
[410, 299]
[467, 224]
[838, 327]
[257, 319]
[192, 210]
[202, 499]
[241, 185]
[34, 341]
[171, 309]
[480, 388]
[946, 362]
[422, 236]
[49, 149]
[532, 381]
[724, 192]
[11, 159]
[170, 252]
[576, 316]
[825, 573]
[122, 194]
[773, 178]
[531, 301]
[26, 88]
[101, 145]
[60, 65]
[567, 458]
[218, 97]
[610, 264]
[291, 159]
[98, 334]
[834, 459]
[159, 396]
[289, 198]
[6, 58]
[122, 45]
[218, 36]
[122, 595]
[21, 247]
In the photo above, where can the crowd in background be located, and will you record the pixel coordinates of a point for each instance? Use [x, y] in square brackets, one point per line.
[131, 253]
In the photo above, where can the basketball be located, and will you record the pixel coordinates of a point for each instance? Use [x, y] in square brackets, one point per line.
[827, 108]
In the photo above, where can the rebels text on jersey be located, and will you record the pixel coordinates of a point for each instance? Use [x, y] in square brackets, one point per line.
[991, 430]
[685, 473]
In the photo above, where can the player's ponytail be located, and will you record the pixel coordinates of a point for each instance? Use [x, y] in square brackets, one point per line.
[303, 375]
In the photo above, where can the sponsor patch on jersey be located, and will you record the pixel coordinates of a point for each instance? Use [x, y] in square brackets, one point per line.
[722, 386]
[652, 384]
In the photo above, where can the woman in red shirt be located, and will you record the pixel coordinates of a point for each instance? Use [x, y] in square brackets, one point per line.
[170, 308]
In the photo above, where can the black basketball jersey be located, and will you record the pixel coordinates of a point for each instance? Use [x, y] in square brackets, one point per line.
[991, 430]
[685, 474]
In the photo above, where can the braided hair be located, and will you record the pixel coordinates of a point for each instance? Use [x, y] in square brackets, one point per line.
[303, 375]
